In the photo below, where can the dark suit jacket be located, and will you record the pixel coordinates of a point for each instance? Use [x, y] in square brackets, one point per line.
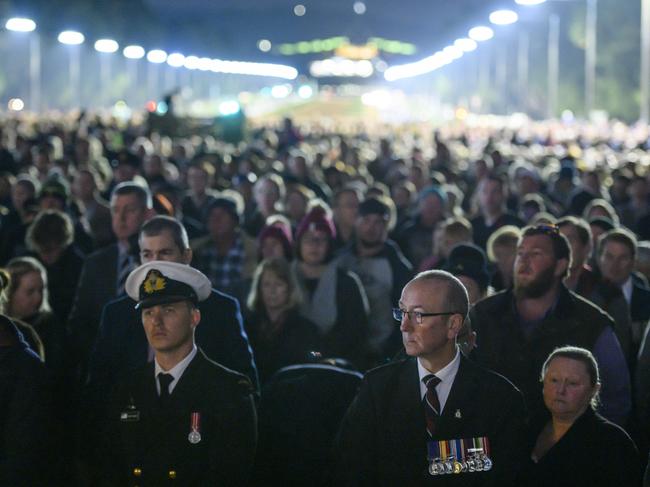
[383, 438]
[122, 346]
[97, 286]
[157, 443]
[25, 413]
[593, 453]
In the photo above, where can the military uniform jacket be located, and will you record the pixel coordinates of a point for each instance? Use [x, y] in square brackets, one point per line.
[148, 443]
[383, 437]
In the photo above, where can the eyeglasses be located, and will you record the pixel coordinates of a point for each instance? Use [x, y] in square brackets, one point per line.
[418, 316]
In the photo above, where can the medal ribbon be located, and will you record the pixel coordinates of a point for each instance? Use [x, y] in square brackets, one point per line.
[196, 422]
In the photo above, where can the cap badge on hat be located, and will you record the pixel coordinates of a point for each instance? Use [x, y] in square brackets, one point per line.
[154, 281]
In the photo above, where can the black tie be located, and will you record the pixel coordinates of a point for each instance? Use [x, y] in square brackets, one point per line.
[164, 380]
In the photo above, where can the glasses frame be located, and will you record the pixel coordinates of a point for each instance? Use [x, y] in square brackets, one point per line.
[417, 316]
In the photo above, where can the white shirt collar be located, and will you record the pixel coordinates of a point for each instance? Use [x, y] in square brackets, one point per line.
[176, 371]
[627, 290]
[446, 375]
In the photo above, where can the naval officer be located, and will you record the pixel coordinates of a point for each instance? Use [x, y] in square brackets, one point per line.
[182, 419]
[435, 417]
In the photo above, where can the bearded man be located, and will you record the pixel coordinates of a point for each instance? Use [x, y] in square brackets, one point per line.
[518, 328]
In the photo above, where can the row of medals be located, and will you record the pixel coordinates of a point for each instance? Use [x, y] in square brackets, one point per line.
[478, 462]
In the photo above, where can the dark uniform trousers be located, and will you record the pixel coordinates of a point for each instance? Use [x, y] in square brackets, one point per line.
[383, 438]
[148, 442]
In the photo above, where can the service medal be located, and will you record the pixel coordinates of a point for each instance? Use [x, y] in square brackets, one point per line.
[487, 463]
[458, 468]
[195, 434]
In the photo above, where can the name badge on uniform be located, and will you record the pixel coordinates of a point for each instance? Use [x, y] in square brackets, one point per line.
[195, 429]
[459, 456]
[131, 415]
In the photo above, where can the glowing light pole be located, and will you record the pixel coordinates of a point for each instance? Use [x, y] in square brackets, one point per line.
[73, 40]
[25, 25]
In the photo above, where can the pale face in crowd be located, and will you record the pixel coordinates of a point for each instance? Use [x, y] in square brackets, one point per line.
[436, 333]
[616, 262]
[314, 245]
[536, 268]
[128, 214]
[346, 209]
[491, 196]
[28, 296]
[372, 229]
[579, 251]
[272, 247]
[274, 291]
[567, 388]
[162, 247]
[170, 327]
[505, 259]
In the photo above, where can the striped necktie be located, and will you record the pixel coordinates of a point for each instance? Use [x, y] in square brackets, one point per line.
[431, 403]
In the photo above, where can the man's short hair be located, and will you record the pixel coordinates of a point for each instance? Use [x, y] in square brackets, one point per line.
[457, 227]
[506, 236]
[140, 192]
[457, 297]
[561, 247]
[379, 205]
[581, 226]
[163, 223]
[619, 235]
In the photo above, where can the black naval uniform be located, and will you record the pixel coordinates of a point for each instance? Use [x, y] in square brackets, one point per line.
[383, 438]
[148, 442]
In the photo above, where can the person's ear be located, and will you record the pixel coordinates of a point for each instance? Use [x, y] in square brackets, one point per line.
[196, 317]
[454, 325]
[561, 267]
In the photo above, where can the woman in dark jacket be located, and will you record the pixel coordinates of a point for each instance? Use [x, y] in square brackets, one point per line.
[576, 446]
[333, 298]
[278, 333]
[27, 300]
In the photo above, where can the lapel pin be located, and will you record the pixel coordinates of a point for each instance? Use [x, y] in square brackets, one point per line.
[457, 414]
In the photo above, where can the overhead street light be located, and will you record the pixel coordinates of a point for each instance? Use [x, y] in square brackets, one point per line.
[133, 52]
[71, 37]
[20, 24]
[106, 45]
[503, 17]
[480, 33]
[465, 44]
[176, 60]
[157, 56]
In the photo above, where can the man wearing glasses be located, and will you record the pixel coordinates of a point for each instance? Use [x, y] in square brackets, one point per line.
[518, 328]
[434, 416]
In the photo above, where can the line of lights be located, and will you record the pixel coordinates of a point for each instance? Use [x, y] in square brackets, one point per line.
[447, 55]
[158, 56]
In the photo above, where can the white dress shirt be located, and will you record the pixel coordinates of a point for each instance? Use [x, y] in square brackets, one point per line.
[446, 375]
[176, 371]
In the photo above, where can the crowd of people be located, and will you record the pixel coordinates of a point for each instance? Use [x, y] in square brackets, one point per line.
[323, 273]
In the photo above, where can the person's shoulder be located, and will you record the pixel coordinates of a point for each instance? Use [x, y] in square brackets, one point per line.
[488, 378]
[223, 377]
[199, 244]
[493, 302]
[100, 255]
[587, 310]
[119, 304]
[222, 299]
[610, 433]
[390, 371]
